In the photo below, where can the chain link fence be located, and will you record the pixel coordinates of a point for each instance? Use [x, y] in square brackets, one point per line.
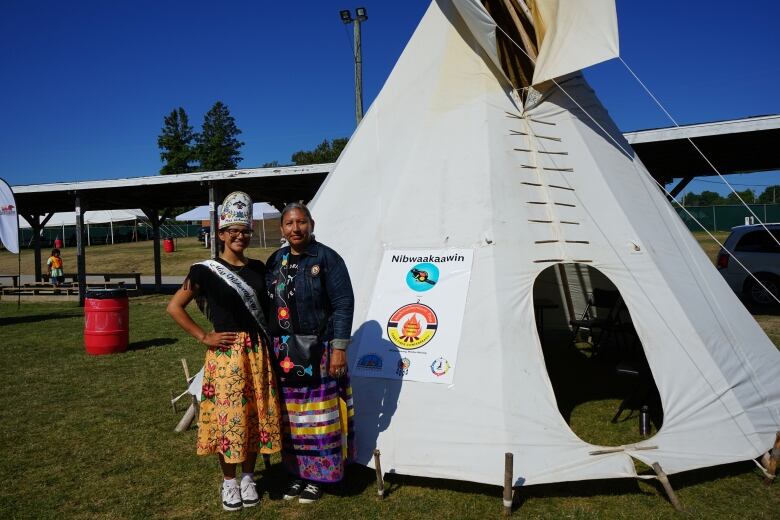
[723, 218]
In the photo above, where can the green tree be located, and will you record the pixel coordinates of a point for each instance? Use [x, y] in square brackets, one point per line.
[710, 198]
[175, 143]
[217, 146]
[705, 198]
[747, 196]
[771, 195]
[325, 152]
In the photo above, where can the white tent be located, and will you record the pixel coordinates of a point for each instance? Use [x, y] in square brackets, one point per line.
[259, 211]
[68, 218]
[449, 158]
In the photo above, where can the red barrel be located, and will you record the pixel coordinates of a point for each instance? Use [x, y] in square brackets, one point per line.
[106, 321]
[168, 245]
[58, 243]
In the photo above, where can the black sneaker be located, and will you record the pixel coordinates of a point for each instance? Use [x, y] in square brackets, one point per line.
[294, 491]
[311, 493]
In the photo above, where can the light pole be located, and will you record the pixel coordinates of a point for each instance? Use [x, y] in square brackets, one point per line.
[360, 16]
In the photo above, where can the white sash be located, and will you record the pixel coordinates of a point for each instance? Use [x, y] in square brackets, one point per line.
[238, 284]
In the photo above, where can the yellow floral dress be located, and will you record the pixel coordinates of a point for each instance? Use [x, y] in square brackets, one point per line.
[239, 407]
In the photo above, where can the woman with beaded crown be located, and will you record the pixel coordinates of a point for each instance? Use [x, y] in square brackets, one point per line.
[239, 407]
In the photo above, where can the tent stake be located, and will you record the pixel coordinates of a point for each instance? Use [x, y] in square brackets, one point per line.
[667, 487]
[192, 411]
[380, 483]
[508, 465]
[774, 457]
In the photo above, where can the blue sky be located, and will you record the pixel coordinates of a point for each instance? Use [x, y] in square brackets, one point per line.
[85, 85]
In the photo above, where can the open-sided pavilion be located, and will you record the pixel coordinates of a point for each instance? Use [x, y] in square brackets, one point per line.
[157, 196]
[735, 146]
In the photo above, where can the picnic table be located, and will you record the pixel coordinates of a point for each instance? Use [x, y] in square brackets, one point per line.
[110, 280]
[14, 278]
[107, 279]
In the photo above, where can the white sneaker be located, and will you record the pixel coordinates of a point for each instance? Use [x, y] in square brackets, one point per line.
[231, 496]
[249, 496]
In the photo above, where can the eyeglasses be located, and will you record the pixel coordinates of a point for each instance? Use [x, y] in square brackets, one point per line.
[235, 232]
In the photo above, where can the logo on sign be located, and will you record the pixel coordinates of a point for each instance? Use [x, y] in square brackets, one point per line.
[422, 277]
[370, 362]
[440, 367]
[412, 326]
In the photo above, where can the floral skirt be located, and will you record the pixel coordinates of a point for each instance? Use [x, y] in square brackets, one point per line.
[239, 408]
[317, 425]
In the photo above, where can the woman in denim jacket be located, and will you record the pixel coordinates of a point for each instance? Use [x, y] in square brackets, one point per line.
[311, 322]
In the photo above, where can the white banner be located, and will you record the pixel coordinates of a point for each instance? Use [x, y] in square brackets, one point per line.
[413, 326]
[9, 219]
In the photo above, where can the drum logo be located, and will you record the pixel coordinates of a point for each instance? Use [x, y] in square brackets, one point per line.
[412, 326]
[440, 367]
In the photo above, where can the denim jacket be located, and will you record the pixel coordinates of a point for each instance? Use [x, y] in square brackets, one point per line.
[323, 292]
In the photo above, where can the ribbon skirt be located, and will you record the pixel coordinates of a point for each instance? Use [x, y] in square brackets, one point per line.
[317, 424]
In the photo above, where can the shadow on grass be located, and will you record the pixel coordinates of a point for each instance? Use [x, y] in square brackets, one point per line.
[581, 489]
[699, 476]
[151, 343]
[165, 289]
[275, 480]
[34, 318]
[394, 482]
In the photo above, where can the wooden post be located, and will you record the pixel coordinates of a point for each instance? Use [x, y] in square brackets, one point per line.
[566, 291]
[213, 219]
[81, 262]
[774, 457]
[380, 483]
[192, 411]
[508, 466]
[187, 419]
[154, 219]
[667, 487]
[186, 370]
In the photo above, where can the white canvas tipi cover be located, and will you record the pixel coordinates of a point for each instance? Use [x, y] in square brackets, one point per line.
[447, 158]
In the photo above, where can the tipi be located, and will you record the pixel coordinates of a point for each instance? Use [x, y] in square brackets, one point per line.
[474, 147]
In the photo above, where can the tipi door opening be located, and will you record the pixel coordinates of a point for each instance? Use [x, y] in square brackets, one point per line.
[596, 363]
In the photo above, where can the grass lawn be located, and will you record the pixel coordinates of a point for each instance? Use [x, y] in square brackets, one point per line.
[92, 437]
[124, 258]
[138, 256]
[708, 244]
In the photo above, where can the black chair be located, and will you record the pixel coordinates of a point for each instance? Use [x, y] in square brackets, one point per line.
[600, 316]
[638, 372]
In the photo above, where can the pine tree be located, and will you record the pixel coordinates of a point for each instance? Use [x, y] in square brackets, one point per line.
[175, 143]
[325, 152]
[218, 148]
